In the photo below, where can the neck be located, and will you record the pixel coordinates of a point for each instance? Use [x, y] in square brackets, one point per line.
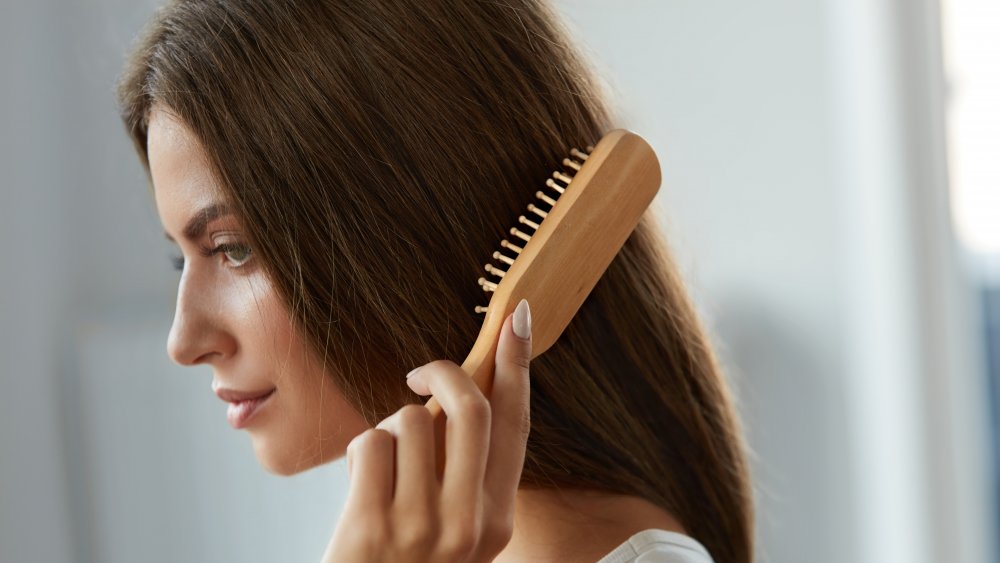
[576, 525]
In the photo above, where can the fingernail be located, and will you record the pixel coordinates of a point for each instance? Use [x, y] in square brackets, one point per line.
[416, 383]
[522, 320]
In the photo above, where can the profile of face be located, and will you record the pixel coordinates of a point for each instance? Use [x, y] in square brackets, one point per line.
[230, 316]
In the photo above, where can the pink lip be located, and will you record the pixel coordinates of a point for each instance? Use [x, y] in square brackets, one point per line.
[243, 406]
[234, 396]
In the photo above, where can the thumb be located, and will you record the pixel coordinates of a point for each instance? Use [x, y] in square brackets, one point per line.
[514, 346]
[510, 400]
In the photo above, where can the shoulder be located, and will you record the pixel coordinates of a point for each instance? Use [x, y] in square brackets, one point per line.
[659, 546]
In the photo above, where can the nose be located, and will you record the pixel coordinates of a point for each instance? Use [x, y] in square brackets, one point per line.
[197, 334]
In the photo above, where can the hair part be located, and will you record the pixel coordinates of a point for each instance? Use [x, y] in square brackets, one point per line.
[376, 153]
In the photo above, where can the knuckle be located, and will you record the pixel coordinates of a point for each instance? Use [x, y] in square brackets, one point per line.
[459, 543]
[525, 425]
[352, 446]
[379, 437]
[385, 423]
[367, 533]
[522, 361]
[442, 365]
[417, 537]
[497, 534]
[370, 439]
[415, 415]
[475, 408]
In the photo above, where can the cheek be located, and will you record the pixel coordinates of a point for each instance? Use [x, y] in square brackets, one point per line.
[323, 418]
[313, 422]
[268, 327]
[292, 368]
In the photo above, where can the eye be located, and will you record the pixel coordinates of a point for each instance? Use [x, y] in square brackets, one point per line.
[238, 253]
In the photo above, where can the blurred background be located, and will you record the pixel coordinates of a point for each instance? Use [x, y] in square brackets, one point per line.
[831, 191]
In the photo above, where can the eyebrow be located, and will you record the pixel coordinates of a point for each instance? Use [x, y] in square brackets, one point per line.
[196, 226]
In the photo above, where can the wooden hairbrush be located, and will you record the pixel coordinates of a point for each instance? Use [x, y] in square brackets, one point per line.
[563, 246]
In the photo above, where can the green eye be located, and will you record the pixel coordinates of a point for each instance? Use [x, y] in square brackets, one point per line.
[238, 253]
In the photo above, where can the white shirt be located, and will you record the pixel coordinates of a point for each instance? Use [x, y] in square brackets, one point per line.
[659, 546]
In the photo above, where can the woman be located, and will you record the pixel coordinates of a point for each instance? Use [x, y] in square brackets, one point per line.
[335, 175]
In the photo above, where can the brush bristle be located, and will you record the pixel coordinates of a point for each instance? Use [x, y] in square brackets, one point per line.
[529, 223]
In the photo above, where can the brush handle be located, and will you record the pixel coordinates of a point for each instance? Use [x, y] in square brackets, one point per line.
[480, 366]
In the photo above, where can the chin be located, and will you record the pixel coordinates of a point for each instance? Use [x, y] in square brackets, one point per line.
[277, 460]
[281, 470]
[284, 463]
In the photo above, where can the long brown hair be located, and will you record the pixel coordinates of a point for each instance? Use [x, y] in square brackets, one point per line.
[377, 152]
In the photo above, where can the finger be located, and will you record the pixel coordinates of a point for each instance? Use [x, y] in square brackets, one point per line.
[510, 402]
[467, 428]
[371, 458]
[415, 481]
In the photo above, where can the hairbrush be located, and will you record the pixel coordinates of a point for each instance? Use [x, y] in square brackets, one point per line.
[562, 246]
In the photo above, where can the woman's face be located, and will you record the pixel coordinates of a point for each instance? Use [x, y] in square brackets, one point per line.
[230, 316]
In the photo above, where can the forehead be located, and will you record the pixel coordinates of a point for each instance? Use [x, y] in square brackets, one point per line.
[182, 179]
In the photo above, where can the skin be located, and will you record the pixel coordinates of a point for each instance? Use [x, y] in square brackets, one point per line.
[230, 316]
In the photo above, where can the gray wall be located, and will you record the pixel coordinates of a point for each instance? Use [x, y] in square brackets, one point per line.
[804, 197]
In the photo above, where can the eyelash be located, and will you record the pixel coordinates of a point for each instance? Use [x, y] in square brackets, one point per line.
[178, 261]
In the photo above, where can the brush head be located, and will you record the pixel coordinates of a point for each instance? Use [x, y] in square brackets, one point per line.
[569, 236]
[558, 251]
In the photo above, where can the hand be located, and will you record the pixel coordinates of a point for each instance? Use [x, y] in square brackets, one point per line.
[399, 509]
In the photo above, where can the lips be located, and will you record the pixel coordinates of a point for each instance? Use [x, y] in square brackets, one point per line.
[234, 396]
[239, 414]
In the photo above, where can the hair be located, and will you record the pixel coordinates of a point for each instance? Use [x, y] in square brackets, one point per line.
[376, 153]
